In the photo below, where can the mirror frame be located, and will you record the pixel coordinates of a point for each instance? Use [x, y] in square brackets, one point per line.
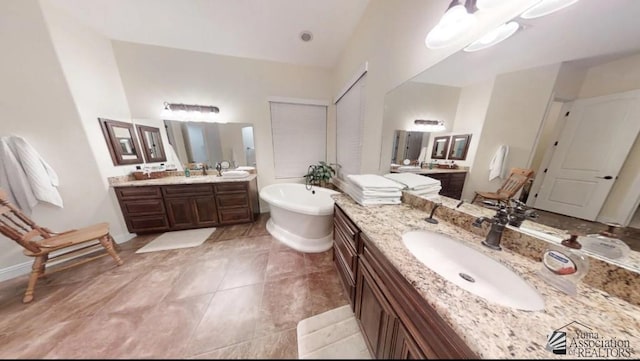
[115, 150]
[146, 146]
[434, 155]
[466, 146]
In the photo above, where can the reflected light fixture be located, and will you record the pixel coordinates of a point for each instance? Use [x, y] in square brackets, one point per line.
[494, 36]
[430, 125]
[455, 22]
[190, 111]
[546, 7]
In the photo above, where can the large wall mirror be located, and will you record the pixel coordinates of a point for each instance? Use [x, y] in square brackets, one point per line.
[211, 143]
[121, 141]
[531, 91]
[151, 144]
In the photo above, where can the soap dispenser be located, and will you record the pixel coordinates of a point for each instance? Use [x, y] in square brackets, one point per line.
[564, 265]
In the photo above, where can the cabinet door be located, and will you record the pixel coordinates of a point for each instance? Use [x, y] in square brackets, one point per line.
[180, 212]
[376, 318]
[205, 211]
[404, 347]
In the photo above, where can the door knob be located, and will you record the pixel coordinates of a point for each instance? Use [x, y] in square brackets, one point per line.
[606, 177]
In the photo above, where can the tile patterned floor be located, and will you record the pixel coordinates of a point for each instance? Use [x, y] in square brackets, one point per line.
[238, 295]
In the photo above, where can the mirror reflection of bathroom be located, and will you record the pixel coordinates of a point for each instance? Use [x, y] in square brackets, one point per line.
[212, 143]
[549, 113]
[408, 145]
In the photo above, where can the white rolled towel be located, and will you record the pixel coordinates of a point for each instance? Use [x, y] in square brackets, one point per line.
[235, 174]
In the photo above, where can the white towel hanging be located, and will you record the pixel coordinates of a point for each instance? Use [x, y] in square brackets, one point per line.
[14, 180]
[498, 164]
[41, 176]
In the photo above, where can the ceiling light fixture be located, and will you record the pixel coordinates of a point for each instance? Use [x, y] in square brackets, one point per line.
[494, 36]
[455, 22]
[430, 125]
[546, 7]
[489, 4]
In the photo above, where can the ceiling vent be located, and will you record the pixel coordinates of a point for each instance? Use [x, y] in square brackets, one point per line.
[306, 36]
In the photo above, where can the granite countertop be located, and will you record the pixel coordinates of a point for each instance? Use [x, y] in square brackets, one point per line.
[630, 262]
[491, 330]
[194, 179]
[431, 171]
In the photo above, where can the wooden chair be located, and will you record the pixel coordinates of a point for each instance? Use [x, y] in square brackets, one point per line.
[516, 180]
[39, 242]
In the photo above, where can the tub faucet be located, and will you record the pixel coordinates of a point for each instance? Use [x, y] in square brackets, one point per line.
[498, 222]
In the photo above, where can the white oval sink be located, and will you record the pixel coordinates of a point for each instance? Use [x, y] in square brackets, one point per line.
[472, 270]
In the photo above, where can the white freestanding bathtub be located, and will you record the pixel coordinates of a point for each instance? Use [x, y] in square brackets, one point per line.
[300, 218]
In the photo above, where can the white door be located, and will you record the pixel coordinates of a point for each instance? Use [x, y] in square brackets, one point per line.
[592, 147]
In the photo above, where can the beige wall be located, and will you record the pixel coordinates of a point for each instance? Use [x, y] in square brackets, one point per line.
[616, 77]
[412, 101]
[516, 110]
[37, 104]
[470, 115]
[239, 87]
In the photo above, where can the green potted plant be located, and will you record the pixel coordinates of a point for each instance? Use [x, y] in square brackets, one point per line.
[319, 174]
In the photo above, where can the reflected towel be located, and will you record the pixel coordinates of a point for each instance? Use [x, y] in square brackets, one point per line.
[413, 181]
[498, 164]
[423, 155]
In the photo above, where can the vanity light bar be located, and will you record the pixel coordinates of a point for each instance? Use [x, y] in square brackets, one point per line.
[175, 107]
[428, 122]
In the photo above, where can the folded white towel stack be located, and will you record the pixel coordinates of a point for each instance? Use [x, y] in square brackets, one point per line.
[235, 174]
[417, 184]
[372, 189]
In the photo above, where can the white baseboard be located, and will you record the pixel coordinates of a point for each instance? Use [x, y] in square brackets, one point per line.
[15, 270]
[24, 268]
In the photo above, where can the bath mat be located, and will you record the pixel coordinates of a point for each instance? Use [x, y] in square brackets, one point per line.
[178, 239]
[331, 335]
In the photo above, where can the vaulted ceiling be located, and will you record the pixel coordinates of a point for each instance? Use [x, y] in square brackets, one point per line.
[258, 29]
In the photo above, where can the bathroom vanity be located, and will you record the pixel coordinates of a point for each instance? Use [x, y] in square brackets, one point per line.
[406, 310]
[176, 203]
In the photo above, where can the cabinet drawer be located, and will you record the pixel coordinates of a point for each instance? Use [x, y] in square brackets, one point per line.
[188, 190]
[234, 200]
[349, 285]
[152, 223]
[143, 206]
[231, 187]
[347, 227]
[234, 215]
[346, 252]
[138, 192]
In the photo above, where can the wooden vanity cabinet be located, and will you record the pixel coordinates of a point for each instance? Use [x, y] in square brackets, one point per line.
[143, 209]
[345, 254]
[190, 206]
[452, 183]
[396, 321]
[175, 207]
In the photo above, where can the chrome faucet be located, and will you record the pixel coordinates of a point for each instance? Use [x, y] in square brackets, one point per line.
[498, 222]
